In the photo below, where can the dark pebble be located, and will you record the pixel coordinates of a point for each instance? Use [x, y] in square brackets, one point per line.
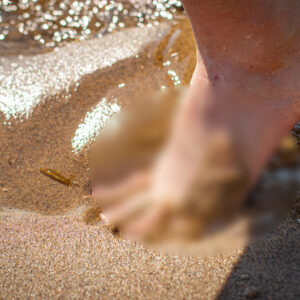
[251, 292]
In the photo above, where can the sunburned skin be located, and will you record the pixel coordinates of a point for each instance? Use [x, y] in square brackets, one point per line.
[244, 96]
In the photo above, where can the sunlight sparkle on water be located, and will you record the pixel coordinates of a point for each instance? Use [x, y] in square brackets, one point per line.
[93, 122]
[27, 81]
[53, 22]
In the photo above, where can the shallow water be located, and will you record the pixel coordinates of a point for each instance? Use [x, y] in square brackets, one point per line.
[55, 99]
[33, 26]
[54, 103]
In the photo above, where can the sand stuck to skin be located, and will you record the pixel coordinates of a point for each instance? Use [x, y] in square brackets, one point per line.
[52, 245]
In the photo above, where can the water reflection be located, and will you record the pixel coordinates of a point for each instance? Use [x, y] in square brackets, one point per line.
[93, 122]
[45, 24]
[28, 81]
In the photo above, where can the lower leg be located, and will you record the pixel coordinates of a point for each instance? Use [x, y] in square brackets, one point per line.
[244, 97]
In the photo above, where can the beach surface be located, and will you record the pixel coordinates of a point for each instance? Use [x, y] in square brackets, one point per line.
[53, 244]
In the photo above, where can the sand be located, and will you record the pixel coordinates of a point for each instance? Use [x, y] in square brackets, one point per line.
[59, 257]
[49, 247]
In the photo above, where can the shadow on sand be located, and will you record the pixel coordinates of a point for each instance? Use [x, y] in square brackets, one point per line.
[270, 266]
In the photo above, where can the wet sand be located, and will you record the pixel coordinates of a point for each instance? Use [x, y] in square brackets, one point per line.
[49, 246]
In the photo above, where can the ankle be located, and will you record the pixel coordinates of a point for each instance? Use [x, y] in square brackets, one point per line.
[257, 35]
[255, 128]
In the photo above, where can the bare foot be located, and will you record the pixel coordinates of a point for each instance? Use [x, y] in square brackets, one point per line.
[244, 97]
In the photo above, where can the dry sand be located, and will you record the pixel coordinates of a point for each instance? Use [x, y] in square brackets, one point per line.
[47, 249]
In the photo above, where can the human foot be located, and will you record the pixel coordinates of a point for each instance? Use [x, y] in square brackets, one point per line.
[232, 119]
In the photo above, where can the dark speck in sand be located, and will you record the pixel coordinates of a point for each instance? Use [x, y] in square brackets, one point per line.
[11, 160]
[251, 292]
[87, 187]
[113, 229]
[245, 276]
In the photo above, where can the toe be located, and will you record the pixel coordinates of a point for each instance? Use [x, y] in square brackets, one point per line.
[124, 212]
[148, 225]
[110, 195]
